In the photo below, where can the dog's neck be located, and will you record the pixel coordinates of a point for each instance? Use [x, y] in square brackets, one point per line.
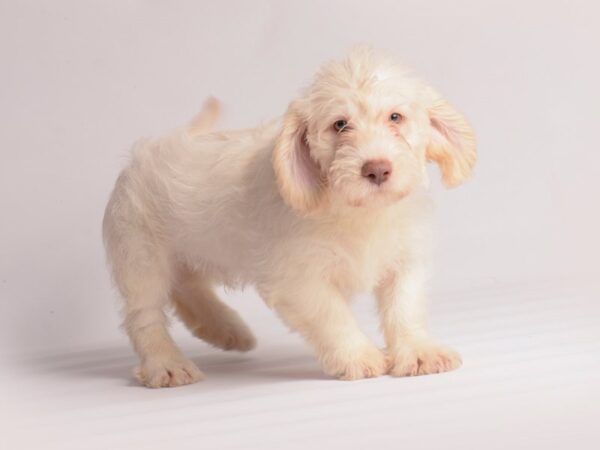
[342, 216]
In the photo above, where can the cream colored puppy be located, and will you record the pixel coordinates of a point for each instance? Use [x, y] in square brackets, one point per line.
[327, 203]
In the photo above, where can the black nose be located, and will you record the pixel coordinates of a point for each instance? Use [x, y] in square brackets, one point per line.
[377, 171]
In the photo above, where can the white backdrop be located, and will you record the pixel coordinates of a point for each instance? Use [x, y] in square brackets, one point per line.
[80, 81]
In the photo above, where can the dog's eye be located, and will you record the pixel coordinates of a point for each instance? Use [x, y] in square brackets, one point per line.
[395, 117]
[340, 125]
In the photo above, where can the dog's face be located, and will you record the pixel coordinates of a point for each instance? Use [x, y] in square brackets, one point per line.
[362, 135]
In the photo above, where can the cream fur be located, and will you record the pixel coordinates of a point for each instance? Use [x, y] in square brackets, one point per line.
[284, 207]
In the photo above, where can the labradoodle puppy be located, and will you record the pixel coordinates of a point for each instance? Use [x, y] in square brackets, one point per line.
[327, 202]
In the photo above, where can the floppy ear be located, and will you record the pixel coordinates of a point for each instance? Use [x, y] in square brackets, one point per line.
[298, 175]
[452, 142]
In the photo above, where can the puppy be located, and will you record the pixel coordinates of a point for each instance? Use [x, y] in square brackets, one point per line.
[310, 210]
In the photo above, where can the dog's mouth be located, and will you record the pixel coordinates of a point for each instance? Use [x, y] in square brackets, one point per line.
[388, 189]
[379, 197]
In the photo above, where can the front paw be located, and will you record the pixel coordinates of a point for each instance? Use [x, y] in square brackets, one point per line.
[422, 357]
[365, 362]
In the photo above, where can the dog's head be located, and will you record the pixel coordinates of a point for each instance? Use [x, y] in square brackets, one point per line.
[362, 134]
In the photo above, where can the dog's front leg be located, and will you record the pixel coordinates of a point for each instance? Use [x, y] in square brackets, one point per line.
[402, 306]
[322, 315]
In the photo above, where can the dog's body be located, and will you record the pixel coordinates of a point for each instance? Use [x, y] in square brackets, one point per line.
[292, 209]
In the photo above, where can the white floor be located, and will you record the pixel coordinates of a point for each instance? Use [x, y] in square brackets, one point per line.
[531, 379]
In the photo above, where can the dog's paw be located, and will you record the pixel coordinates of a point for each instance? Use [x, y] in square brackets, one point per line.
[168, 372]
[422, 357]
[367, 362]
[233, 335]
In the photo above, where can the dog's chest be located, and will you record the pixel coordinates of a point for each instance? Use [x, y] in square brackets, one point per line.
[362, 259]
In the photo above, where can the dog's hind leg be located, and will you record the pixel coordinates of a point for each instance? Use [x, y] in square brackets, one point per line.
[142, 271]
[207, 317]
[146, 293]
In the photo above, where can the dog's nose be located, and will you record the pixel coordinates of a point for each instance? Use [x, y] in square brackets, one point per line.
[377, 171]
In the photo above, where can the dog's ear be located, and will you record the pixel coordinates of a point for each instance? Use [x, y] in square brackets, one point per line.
[452, 142]
[298, 175]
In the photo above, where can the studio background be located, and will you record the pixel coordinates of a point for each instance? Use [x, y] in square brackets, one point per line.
[81, 81]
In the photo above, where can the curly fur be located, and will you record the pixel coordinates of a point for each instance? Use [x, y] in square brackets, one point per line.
[285, 208]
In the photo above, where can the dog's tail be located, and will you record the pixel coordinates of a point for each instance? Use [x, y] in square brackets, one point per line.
[206, 119]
